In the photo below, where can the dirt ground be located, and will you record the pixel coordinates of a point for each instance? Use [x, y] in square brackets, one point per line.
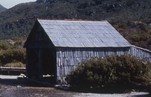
[20, 88]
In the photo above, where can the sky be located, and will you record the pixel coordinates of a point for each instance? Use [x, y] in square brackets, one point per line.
[11, 3]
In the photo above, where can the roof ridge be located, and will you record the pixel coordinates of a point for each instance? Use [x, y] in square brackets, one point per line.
[71, 20]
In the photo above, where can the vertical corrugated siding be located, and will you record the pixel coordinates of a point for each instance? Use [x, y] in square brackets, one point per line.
[69, 58]
[141, 53]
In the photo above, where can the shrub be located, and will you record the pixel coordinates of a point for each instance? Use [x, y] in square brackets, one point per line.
[113, 73]
[15, 64]
[4, 45]
[12, 55]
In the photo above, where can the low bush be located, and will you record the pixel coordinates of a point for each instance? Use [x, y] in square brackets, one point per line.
[15, 64]
[12, 55]
[115, 73]
[4, 45]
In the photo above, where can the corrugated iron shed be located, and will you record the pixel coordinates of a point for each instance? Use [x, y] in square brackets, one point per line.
[64, 33]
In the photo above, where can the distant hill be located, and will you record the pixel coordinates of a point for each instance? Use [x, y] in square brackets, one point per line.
[130, 17]
[2, 8]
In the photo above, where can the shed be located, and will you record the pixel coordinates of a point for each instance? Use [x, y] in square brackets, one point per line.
[56, 47]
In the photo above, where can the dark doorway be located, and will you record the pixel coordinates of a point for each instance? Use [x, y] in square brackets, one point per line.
[48, 62]
[41, 63]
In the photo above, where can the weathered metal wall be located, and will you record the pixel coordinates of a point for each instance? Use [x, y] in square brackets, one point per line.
[141, 53]
[69, 58]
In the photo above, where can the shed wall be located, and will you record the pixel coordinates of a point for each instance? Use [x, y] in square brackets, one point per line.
[141, 53]
[69, 58]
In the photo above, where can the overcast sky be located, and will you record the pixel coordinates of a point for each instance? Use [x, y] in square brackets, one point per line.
[11, 3]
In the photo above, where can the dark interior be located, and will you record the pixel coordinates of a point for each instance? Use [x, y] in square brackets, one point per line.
[41, 63]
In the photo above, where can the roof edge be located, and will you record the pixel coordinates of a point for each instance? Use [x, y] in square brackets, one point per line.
[76, 20]
[96, 47]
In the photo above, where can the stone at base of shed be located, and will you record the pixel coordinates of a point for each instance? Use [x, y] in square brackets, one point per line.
[61, 81]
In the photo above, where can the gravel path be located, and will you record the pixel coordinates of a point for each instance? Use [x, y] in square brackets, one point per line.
[134, 94]
[17, 88]
[19, 91]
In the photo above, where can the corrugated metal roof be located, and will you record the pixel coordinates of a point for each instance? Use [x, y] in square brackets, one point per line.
[64, 33]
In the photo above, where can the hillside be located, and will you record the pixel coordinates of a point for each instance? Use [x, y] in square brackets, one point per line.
[2, 8]
[130, 17]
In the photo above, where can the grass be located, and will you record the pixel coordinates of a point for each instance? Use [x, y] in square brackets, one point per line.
[15, 64]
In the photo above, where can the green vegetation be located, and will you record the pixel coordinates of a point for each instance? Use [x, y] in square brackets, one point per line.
[130, 17]
[15, 64]
[111, 74]
[136, 32]
[10, 53]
